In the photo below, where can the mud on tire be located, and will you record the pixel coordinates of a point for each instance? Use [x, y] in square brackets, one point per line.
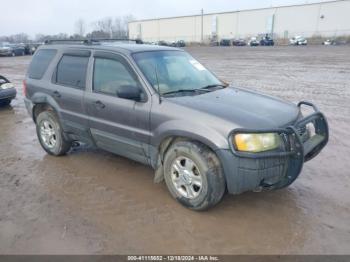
[209, 167]
[61, 146]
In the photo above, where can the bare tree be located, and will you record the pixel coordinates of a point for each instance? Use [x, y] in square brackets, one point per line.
[97, 34]
[80, 27]
[126, 20]
[115, 28]
[43, 38]
[21, 38]
[105, 25]
[120, 26]
[39, 37]
[17, 38]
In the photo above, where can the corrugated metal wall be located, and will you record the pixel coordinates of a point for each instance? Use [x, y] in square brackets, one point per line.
[325, 19]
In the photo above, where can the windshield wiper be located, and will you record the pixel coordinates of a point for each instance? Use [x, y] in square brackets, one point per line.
[183, 91]
[213, 86]
[207, 88]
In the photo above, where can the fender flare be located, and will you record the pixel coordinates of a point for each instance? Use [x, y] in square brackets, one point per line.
[42, 98]
[201, 133]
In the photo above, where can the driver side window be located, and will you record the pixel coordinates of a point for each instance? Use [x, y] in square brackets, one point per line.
[110, 75]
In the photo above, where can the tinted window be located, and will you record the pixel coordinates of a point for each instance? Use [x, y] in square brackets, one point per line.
[110, 75]
[71, 71]
[40, 62]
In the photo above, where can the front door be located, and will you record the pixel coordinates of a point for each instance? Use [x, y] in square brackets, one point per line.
[117, 125]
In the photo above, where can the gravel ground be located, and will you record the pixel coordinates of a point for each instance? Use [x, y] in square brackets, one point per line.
[93, 202]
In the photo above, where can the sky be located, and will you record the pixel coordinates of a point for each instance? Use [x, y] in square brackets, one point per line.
[59, 16]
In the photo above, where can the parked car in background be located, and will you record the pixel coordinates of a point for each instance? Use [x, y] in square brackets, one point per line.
[267, 41]
[214, 42]
[179, 43]
[253, 42]
[239, 42]
[29, 49]
[329, 42]
[7, 91]
[7, 49]
[298, 40]
[139, 41]
[163, 43]
[225, 42]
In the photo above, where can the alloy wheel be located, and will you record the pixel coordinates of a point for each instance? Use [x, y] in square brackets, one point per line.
[48, 134]
[186, 177]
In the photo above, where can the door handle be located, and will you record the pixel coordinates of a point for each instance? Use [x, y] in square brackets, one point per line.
[56, 94]
[99, 104]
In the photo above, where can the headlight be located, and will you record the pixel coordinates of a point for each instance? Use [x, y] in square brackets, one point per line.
[256, 142]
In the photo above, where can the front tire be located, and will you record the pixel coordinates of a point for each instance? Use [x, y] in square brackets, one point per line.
[193, 175]
[50, 134]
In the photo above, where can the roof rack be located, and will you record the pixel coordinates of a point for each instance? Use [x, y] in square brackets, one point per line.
[66, 41]
[90, 41]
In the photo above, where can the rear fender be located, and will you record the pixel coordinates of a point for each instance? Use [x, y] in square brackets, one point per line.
[42, 98]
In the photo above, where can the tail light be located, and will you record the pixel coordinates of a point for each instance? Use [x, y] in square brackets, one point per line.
[24, 88]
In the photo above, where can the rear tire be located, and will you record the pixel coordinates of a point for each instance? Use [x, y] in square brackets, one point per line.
[50, 134]
[193, 175]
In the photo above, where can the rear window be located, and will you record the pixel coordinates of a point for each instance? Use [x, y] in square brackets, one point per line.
[71, 71]
[40, 62]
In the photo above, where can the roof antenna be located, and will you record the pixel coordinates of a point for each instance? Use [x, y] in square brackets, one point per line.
[158, 88]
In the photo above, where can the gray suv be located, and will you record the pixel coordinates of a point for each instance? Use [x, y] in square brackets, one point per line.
[159, 106]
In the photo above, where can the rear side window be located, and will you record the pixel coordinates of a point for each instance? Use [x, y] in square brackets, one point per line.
[71, 71]
[40, 62]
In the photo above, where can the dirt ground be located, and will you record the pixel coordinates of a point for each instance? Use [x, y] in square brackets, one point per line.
[93, 202]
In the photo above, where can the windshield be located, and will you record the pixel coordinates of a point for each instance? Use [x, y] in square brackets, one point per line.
[174, 71]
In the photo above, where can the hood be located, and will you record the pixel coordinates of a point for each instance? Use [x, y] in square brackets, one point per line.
[242, 108]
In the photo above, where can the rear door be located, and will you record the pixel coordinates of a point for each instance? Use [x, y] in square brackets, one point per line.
[68, 88]
[118, 125]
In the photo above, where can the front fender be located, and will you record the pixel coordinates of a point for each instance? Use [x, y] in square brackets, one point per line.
[179, 128]
[199, 132]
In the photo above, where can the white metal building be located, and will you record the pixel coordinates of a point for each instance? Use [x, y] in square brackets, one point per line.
[328, 19]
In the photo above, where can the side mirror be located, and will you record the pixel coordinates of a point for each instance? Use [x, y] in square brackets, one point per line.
[130, 92]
